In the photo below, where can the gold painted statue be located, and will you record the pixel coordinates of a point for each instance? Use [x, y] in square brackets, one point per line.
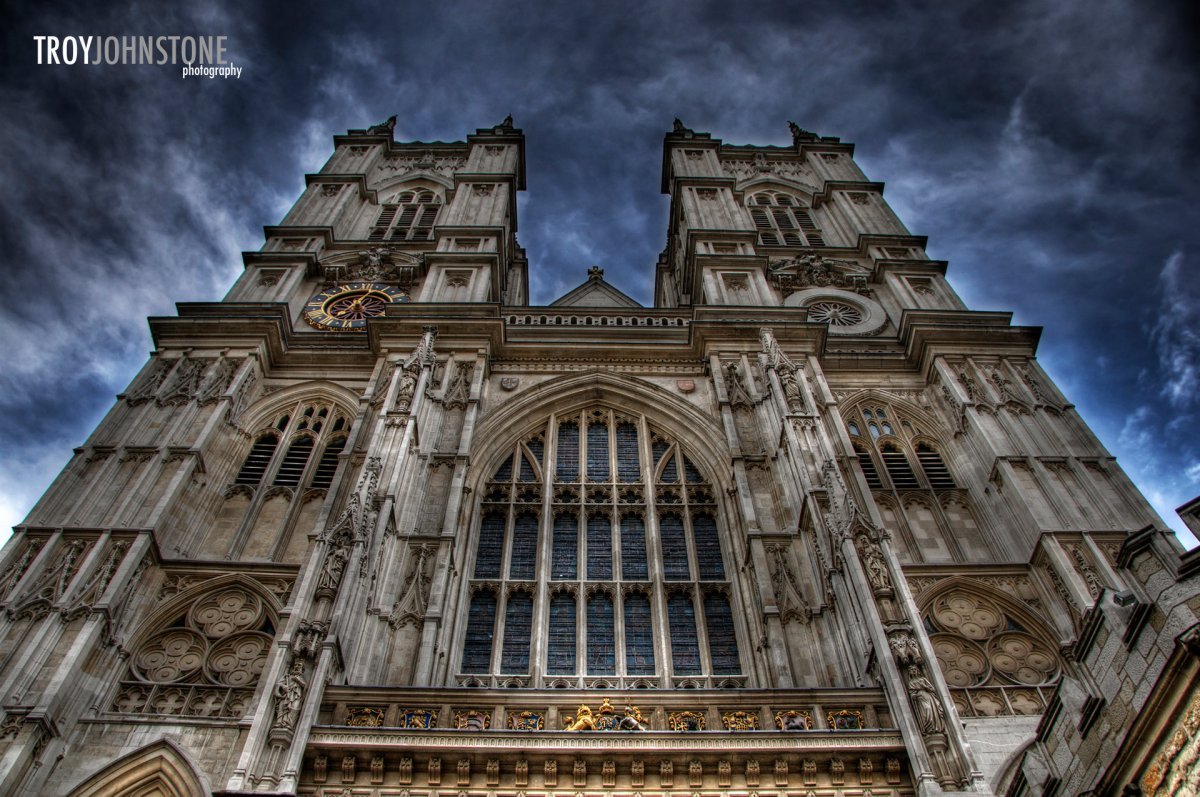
[583, 721]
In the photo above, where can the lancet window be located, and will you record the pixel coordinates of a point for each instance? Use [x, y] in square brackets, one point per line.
[782, 220]
[409, 216]
[282, 455]
[600, 562]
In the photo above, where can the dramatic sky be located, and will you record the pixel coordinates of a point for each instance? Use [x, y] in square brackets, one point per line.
[1048, 149]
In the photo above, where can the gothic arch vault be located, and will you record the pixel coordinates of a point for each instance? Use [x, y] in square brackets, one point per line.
[160, 769]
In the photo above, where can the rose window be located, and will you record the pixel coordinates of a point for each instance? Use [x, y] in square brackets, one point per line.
[993, 663]
[837, 314]
[205, 662]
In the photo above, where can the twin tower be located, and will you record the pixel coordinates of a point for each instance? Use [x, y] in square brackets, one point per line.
[375, 526]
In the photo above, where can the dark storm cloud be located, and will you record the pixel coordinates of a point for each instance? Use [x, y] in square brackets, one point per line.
[1047, 149]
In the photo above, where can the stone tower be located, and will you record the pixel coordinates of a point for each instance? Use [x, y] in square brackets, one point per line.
[374, 525]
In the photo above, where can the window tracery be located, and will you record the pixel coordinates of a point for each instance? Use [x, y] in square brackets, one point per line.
[204, 661]
[994, 661]
[782, 220]
[307, 427]
[627, 572]
[409, 216]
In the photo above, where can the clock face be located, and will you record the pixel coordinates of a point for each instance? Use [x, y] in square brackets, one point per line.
[347, 306]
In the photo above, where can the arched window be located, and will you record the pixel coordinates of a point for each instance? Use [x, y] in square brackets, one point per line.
[995, 660]
[895, 451]
[408, 217]
[631, 558]
[308, 427]
[780, 220]
[203, 660]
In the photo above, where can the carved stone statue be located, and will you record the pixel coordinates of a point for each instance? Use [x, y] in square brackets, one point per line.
[289, 696]
[333, 568]
[408, 386]
[931, 717]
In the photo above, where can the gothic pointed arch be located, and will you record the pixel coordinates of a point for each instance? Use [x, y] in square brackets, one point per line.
[602, 557]
[160, 769]
[997, 656]
[515, 420]
[201, 653]
[265, 410]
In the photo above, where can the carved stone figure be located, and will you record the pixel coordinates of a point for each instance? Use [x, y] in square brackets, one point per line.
[289, 696]
[931, 717]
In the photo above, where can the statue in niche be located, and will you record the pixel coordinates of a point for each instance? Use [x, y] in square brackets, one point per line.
[408, 386]
[333, 568]
[289, 695]
[931, 717]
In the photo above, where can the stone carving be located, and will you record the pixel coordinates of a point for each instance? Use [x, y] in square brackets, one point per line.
[184, 383]
[793, 274]
[458, 393]
[218, 381]
[582, 721]
[740, 721]
[931, 717]
[686, 721]
[94, 590]
[788, 597]
[736, 388]
[410, 607]
[789, 374]
[13, 573]
[407, 387]
[742, 168]
[383, 128]
[752, 772]
[150, 383]
[289, 696]
[874, 563]
[472, 720]
[550, 773]
[799, 134]
[428, 161]
[527, 721]
[331, 189]
[793, 720]
[52, 582]
[1086, 570]
[308, 637]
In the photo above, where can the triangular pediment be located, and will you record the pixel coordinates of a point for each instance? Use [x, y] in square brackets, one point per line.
[594, 293]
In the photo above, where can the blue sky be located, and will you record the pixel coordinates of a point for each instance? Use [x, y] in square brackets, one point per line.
[1047, 149]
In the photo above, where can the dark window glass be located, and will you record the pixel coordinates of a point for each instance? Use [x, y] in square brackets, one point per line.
[639, 635]
[518, 621]
[722, 641]
[934, 468]
[481, 624]
[524, 550]
[564, 557]
[685, 650]
[633, 549]
[504, 472]
[491, 546]
[597, 454]
[327, 465]
[601, 646]
[900, 472]
[708, 548]
[674, 548]
[560, 655]
[599, 547]
[629, 468]
[568, 452]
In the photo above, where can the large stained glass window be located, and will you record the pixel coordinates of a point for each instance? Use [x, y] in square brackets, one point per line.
[600, 563]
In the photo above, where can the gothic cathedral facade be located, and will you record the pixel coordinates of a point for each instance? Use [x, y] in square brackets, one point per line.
[375, 526]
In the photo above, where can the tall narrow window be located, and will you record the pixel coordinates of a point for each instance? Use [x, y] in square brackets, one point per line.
[568, 452]
[518, 623]
[629, 469]
[560, 650]
[639, 635]
[708, 547]
[491, 546]
[935, 470]
[633, 549]
[722, 641]
[870, 473]
[627, 564]
[597, 454]
[685, 650]
[674, 548]
[481, 625]
[294, 461]
[565, 554]
[327, 465]
[599, 547]
[409, 217]
[899, 471]
[601, 643]
[257, 460]
[780, 221]
[524, 550]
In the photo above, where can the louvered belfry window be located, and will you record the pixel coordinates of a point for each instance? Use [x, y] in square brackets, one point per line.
[283, 454]
[409, 217]
[781, 220]
[630, 562]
